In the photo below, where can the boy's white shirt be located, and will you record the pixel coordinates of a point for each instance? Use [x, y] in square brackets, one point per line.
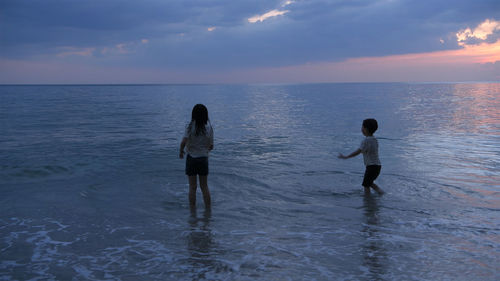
[369, 148]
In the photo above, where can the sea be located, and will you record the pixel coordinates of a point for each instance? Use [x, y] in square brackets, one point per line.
[92, 187]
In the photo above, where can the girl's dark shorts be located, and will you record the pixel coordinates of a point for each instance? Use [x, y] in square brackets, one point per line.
[371, 174]
[196, 166]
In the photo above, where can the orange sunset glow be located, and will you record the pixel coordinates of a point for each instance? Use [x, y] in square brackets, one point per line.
[482, 53]
[469, 53]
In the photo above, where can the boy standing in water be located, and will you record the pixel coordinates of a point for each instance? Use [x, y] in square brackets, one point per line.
[369, 148]
[199, 141]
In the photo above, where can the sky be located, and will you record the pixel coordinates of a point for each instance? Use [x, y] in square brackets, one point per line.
[248, 41]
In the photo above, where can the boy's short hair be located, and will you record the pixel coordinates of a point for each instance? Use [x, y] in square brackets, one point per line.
[371, 125]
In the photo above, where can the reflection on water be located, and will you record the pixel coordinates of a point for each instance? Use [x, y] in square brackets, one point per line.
[454, 138]
[476, 108]
[201, 245]
[374, 255]
[273, 111]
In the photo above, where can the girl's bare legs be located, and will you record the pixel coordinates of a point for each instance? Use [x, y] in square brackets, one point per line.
[192, 191]
[205, 191]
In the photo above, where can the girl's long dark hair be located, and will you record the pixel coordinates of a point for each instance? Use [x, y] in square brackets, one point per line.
[199, 116]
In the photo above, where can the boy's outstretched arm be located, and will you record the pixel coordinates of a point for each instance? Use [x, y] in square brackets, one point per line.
[354, 154]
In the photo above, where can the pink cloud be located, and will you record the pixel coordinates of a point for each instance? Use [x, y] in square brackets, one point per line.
[74, 51]
[482, 31]
[270, 14]
[470, 63]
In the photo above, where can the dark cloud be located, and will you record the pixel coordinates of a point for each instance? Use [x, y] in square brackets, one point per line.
[177, 34]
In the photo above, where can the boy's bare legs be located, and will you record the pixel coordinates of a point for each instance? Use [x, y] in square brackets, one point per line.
[377, 189]
[205, 191]
[192, 191]
[367, 190]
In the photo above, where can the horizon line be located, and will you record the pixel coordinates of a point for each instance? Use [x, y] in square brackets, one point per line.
[257, 83]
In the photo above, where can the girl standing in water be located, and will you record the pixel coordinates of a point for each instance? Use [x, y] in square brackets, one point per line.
[199, 141]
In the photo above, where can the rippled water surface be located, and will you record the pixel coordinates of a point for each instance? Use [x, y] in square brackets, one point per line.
[91, 187]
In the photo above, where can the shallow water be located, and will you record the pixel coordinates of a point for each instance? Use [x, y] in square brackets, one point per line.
[92, 188]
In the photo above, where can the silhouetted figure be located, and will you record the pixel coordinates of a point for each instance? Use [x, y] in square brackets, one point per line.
[198, 141]
[369, 148]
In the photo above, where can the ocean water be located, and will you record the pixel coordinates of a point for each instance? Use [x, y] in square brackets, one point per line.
[91, 187]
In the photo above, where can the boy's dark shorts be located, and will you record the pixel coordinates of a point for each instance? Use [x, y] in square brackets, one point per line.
[196, 166]
[371, 174]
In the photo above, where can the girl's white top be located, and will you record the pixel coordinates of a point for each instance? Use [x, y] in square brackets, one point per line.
[369, 147]
[198, 145]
